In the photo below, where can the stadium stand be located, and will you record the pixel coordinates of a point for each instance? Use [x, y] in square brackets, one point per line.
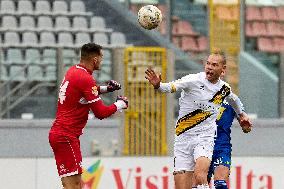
[264, 27]
[31, 32]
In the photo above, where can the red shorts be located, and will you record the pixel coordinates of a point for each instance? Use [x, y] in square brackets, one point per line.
[67, 154]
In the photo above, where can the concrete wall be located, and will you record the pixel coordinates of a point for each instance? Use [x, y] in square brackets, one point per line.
[22, 138]
[258, 87]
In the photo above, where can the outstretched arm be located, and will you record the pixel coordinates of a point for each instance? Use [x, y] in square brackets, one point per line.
[243, 118]
[181, 84]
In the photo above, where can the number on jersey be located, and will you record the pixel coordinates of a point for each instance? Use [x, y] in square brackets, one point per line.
[62, 92]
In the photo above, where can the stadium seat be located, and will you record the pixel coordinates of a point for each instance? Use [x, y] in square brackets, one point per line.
[69, 57]
[60, 7]
[249, 30]
[82, 38]
[17, 73]
[101, 39]
[15, 56]
[269, 13]
[280, 13]
[9, 23]
[117, 39]
[30, 39]
[259, 29]
[3, 73]
[275, 29]
[62, 23]
[77, 7]
[32, 56]
[278, 44]
[98, 24]
[49, 56]
[183, 27]
[42, 7]
[189, 44]
[265, 44]
[35, 73]
[65, 39]
[47, 39]
[80, 23]
[11, 39]
[45, 23]
[202, 42]
[25, 7]
[253, 13]
[7, 7]
[163, 27]
[107, 57]
[50, 73]
[27, 23]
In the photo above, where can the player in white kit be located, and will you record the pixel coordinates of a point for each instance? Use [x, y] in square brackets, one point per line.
[201, 97]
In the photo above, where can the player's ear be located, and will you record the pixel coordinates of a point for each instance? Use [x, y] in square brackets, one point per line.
[95, 59]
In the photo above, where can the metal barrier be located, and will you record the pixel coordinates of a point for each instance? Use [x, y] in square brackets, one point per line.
[145, 119]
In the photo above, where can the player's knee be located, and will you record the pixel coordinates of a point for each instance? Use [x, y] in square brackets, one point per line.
[200, 177]
[74, 184]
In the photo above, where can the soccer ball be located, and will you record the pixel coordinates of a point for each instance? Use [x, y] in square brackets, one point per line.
[149, 17]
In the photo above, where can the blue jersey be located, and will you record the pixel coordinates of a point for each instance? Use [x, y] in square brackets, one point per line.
[224, 122]
[223, 146]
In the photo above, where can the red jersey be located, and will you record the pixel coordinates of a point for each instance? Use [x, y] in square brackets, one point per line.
[77, 95]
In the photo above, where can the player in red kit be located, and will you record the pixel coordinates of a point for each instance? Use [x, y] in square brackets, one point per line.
[77, 95]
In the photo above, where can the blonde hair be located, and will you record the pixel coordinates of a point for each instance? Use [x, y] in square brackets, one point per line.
[220, 53]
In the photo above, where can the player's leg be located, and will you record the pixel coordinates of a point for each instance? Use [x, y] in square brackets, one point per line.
[68, 160]
[203, 154]
[209, 174]
[222, 168]
[71, 182]
[183, 164]
[221, 174]
[200, 172]
[183, 179]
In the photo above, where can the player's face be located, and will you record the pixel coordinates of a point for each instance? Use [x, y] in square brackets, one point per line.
[214, 68]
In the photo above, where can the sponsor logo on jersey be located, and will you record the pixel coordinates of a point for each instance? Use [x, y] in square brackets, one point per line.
[219, 97]
[95, 90]
[191, 120]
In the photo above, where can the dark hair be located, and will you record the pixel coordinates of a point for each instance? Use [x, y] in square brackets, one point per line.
[90, 49]
[220, 53]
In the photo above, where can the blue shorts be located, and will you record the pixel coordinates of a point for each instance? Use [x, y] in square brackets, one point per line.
[220, 157]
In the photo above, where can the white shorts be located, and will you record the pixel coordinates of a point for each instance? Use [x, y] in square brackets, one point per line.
[189, 148]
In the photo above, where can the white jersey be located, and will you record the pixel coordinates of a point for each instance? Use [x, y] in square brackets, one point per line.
[199, 102]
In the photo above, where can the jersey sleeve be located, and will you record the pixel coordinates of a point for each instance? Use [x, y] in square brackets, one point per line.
[183, 83]
[91, 94]
[235, 102]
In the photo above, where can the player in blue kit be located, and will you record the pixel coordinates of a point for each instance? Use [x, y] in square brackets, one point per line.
[221, 159]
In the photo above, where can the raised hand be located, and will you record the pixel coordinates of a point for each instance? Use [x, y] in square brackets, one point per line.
[113, 85]
[153, 78]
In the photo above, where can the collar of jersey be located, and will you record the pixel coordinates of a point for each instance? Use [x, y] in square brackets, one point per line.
[84, 68]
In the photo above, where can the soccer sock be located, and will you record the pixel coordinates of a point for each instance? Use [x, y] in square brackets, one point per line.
[203, 186]
[220, 184]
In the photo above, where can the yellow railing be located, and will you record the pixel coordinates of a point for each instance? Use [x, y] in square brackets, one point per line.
[145, 119]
